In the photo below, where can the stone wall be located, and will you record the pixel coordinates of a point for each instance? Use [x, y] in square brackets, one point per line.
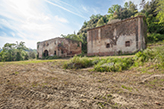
[62, 47]
[126, 36]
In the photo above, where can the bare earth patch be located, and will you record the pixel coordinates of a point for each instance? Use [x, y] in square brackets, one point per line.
[48, 86]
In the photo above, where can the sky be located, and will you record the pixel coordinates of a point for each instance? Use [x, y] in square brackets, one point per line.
[33, 21]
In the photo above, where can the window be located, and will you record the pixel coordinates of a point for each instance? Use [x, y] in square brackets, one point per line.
[107, 45]
[127, 44]
[54, 52]
[62, 51]
[78, 45]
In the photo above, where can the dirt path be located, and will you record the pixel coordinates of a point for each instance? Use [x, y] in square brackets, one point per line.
[48, 86]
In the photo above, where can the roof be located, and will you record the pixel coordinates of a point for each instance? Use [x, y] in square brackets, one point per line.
[58, 38]
[124, 20]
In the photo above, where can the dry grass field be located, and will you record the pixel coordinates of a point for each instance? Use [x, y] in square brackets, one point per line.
[44, 84]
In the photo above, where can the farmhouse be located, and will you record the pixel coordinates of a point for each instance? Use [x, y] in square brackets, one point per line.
[58, 46]
[121, 37]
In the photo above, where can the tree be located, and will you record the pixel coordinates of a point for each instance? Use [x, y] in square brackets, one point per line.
[113, 9]
[142, 4]
[160, 10]
[126, 5]
[100, 22]
[13, 52]
[151, 10]
[9, 51]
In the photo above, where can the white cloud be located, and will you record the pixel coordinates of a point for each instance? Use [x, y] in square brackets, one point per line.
[65, 9]
[84, 8]
[63, 20]
[30, 21]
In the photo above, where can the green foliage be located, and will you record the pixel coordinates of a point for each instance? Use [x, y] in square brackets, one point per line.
[113, 64]
[100, 22]
[77, 62]
[155, 55]
[142, 57]
[155, 37]
[13, 52]
[125, 87]
[32, 54]
[51, 57]
[160, 10]
[114, 9]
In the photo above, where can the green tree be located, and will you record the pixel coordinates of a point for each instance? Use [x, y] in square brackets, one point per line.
[126, 5]
[13, 52]
[9, 51]
[113, 9]
[32, 54]
[160, 10]
[100, 22]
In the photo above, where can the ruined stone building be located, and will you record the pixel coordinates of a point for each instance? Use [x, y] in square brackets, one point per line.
[125, 36]
[58, 46]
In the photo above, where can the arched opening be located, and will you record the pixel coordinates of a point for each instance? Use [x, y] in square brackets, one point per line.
[45, 54]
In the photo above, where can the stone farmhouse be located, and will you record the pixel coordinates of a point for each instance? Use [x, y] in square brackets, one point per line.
[121, 37]
[62, 47]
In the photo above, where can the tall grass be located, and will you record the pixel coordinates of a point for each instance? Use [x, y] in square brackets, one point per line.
[78, 62]
[113, 64]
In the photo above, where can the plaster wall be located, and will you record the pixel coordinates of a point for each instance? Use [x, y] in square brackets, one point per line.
[59, 46]
[116, 35]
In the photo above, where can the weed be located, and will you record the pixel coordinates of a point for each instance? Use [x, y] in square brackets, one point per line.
[16, 72]
[125, 87]
[101, 104]
[145, 104]
[109, 95]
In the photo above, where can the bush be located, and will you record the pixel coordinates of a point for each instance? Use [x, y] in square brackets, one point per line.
[155, 37]
[143, 56]
[113, 64]
[78, 62]
[155, 55]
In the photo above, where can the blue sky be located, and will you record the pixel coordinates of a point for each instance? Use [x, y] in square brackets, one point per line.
[32, 21]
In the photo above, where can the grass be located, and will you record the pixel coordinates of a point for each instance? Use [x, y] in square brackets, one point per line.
[125, 87]
[16, 72]
[34, 61]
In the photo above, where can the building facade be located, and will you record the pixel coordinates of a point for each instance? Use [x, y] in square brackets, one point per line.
[61, 47]
[122, 37]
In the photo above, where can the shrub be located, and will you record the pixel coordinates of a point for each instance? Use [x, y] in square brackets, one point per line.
[113, 64]
[78, 62]
[155, 37]
[155, 55]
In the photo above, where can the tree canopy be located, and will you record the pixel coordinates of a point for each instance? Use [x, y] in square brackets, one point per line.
[15, 52]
